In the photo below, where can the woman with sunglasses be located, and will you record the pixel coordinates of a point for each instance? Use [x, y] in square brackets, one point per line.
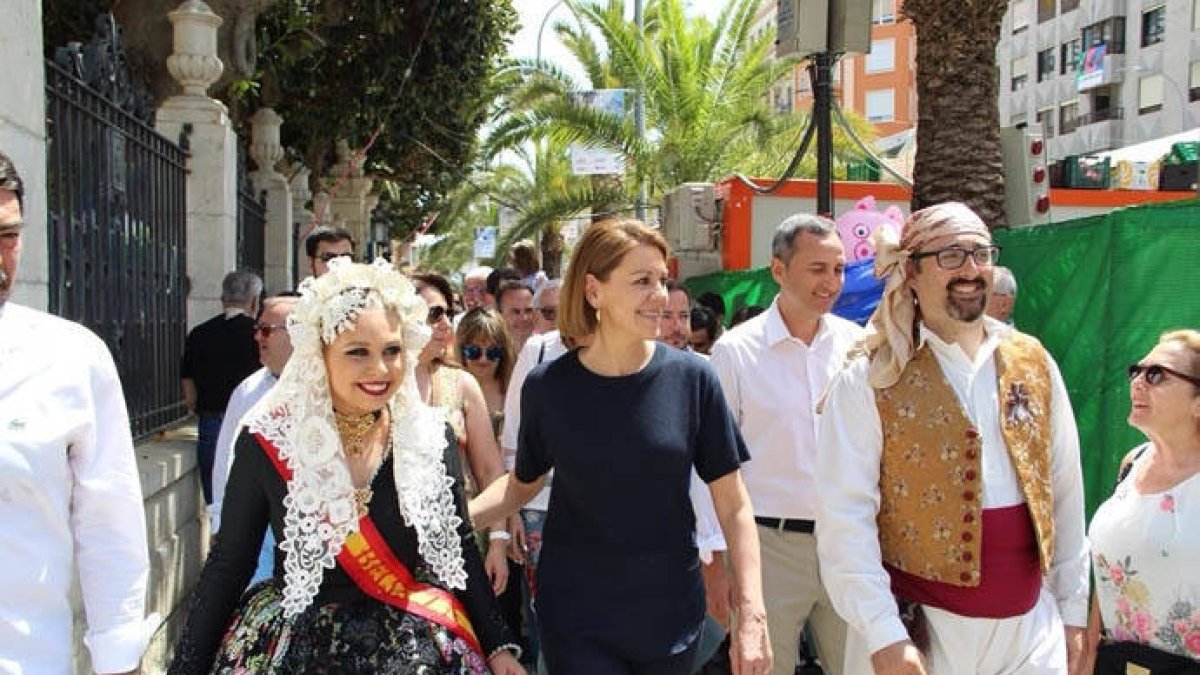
[1145, 546]
[442, 383]
[487, 353]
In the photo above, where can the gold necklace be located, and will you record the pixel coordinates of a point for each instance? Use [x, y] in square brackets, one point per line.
[353, 430]
[363, 495]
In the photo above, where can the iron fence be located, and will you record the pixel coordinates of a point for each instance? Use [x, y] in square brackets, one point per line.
[117, 244]
[251, 221]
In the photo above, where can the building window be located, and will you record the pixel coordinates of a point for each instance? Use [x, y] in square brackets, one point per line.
[883, 11]
[1070, 56]
[1150, 94]
[1069, 5]
[1021, 10]
[1194, 82]
[1110, 32]
[1045, 117]
[881, 106]
[1045, 63]
[1045, 10]
[882, 57]
[1068, 117]
[1020, 72]
[1154, 25]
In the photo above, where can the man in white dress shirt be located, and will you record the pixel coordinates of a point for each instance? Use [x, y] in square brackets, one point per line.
[773, 369]
[951, 532]
[70, 498]
[274, 350]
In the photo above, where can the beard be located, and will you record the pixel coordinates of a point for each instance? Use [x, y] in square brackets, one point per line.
[966, 309]
[6, 283]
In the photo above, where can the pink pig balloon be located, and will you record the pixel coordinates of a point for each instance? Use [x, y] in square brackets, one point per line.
[856, 226]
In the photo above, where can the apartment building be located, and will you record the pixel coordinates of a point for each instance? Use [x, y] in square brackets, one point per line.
[880, 86]
[1099, 75]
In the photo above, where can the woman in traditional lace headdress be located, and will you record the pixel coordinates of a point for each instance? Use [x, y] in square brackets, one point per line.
[360, 482]
[440, 382]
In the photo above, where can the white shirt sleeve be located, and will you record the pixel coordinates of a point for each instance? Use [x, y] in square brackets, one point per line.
[239, 404]
[849, 450]
[724, 362]
[1067, 579]
[108, 524]
[526, 360]
[708, 528]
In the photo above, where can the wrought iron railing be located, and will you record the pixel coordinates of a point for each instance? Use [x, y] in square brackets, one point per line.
[251, 222]
[117, 245]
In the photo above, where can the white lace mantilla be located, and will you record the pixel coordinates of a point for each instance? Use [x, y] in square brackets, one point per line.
[297, 417]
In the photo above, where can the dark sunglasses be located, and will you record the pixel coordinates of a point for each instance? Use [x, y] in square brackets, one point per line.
[954, 257]
[437, 312]
[473, 352]
[326, 257]
[1155, 373]
[267, 329]
[548, 313]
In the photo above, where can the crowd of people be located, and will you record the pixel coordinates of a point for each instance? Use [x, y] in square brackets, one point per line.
[594, 475]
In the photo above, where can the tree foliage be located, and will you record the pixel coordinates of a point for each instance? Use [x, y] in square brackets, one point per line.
[412, 78]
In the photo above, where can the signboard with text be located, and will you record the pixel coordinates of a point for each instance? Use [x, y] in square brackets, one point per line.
[586, 160]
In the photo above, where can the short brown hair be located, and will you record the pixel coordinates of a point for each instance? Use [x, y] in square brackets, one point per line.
[600, 250]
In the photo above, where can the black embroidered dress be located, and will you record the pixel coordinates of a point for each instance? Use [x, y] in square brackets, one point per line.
[344, 630]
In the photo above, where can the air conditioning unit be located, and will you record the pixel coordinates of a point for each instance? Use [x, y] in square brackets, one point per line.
[805, 27]
[691, 218]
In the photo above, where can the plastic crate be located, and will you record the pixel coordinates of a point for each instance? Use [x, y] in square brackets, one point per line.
[1088, 173]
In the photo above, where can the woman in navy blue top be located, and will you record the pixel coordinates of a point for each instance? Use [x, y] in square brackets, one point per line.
[622, 421]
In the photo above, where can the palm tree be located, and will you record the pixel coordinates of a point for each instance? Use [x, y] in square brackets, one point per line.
[958, 138]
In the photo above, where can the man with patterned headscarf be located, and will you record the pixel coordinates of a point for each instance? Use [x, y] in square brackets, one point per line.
[951, 533]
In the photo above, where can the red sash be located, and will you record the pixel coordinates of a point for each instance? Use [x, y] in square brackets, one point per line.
[369, 561]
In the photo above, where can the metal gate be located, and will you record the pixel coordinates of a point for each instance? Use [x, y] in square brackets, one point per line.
[117, 245]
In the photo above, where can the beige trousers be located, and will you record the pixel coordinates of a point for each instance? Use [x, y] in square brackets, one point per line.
[794, 594]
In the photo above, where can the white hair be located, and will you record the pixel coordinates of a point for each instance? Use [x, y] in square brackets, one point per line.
[548, 285]
[1003, 281]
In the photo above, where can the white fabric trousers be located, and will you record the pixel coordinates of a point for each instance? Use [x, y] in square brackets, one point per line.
[794, 594]
[1030, 644]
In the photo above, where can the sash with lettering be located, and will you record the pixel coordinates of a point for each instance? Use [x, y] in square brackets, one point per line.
[369, 561]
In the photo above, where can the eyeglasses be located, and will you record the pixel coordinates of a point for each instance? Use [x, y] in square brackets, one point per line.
[548, 313]
[954, 257]
[268, 328]
[473, 352]
[326, 257]
[1155, 374]
[437, 312]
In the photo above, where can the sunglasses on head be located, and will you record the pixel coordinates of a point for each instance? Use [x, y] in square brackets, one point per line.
[473, 352]
[267, 329]
[326, 257]
[1154, 374]
[437, 312]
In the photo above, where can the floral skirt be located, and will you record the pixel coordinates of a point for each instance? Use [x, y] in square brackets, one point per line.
[344, 638]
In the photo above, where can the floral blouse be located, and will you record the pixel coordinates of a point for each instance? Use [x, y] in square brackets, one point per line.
[1146, 552]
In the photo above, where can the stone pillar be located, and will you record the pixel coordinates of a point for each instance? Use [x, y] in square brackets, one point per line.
[212, 165]
[302, 218]
[266, 153]
[349, 204]
[23, 139]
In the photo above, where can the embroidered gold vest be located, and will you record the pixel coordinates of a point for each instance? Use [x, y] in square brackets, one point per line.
[930, 494]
